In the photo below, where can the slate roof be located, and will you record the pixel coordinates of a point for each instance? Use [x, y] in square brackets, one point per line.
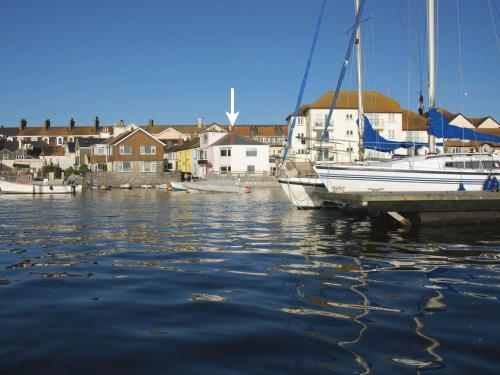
[9, 145]
[234, 139]
[88, 142]
[8, 132]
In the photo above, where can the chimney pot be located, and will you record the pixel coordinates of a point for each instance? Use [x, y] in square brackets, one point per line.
[150, 122]
[47, 124]
[71, 124]
[22, 124]
[96, 123]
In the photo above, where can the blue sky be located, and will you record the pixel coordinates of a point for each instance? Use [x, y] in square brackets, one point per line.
[175, 60]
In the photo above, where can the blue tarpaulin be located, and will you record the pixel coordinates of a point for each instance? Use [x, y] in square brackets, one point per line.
[441, 128]
[374, 141]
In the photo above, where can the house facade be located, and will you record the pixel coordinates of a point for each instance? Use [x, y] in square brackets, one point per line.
[342, 143]
[235, 154]
[132, 151]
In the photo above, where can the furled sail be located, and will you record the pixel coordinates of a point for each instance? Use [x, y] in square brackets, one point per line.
[374, 141]
[441, 128]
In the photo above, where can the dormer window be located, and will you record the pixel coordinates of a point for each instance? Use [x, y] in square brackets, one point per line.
[46, 140]
[60, 141]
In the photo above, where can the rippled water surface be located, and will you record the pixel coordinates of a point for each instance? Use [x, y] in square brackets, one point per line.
[154, 282]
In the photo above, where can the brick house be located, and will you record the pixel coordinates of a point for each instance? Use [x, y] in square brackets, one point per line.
[135, 150]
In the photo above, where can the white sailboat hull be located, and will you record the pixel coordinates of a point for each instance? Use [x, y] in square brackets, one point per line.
[7, 187]
[303, 191]
[420, 174]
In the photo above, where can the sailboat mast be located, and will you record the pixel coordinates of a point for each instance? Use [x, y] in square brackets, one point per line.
[431, 33]
[361, 122]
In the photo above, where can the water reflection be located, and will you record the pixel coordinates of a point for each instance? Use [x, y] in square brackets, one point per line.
[242, 274]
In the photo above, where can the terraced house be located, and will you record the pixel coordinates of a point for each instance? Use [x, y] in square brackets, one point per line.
[134, 150]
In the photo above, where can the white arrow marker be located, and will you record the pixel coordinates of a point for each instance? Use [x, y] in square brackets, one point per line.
[232, 116]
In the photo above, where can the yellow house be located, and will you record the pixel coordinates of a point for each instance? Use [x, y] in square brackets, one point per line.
[185, 155]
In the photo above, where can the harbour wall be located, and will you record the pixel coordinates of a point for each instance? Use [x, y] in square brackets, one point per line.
[136, 179]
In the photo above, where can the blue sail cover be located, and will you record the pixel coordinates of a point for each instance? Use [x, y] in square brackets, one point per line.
[374, 141]
[441, 128]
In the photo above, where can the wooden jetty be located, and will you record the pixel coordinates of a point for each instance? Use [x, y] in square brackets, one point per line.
[415, 208]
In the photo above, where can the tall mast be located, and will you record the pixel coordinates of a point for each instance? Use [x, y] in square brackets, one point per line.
[361, 119]
[431, 33]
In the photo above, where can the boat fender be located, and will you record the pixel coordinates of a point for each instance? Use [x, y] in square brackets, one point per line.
[495, 185]
[487, 183]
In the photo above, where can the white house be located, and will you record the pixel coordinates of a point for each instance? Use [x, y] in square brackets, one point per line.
[236, 154]
[384, 114]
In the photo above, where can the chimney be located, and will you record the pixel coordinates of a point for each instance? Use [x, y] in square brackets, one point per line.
[71, 124]
[46, 125]
[199, 122]
[151, 123]
[96, 124]
[22, 124]
[122, 123]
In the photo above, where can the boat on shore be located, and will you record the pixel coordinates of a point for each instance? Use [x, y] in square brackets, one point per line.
[126, 186]
[38, 187]
[215, 188]
[178, 186]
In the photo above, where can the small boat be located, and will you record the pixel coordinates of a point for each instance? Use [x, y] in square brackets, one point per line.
[38, 187]
[147, 186]
[162, 186]
[104, 187]
[177, 186]
[126, 186]
[215, 188]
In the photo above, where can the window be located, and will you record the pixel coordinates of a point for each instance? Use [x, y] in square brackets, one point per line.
[349, 133]
[19, 156]
[349, 149]
[251, 168]
[300, 121]
[125, 150]
[5, 157]
[225, 169]
[148, 150]
[100, 150]
[148, 166]
[46, 139]
[60, 140]
[391, 117]
[71, 139]
[391, 133]
[225, 152]
[348, 116]
[125, 166]
[251, 152]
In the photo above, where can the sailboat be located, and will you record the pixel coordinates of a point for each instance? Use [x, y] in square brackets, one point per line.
[433, 172]
[304, 192]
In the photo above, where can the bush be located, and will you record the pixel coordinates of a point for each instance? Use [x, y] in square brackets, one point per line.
[83, 169]
[46, 169]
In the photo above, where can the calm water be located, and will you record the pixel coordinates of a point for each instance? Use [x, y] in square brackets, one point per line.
[149, 282]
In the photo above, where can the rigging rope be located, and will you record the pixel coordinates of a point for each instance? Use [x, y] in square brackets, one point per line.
[303, 84]
[343, 70]
[494, 26]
